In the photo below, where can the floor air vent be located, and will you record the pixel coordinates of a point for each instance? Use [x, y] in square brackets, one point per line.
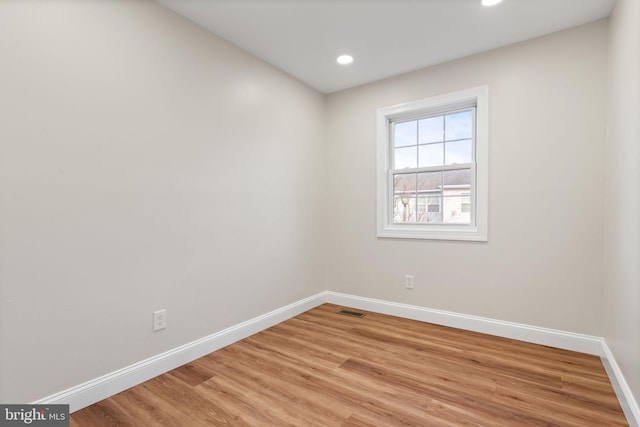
[351, 313]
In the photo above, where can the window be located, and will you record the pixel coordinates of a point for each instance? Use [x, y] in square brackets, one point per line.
[432, 167]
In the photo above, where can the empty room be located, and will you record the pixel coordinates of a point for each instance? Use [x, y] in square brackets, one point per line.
[320, 212]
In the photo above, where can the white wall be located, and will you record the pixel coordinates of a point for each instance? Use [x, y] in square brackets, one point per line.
[144, 164]
[543, 262]
[622, 190]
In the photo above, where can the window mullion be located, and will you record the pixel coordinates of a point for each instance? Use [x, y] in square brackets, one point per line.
[432, 168]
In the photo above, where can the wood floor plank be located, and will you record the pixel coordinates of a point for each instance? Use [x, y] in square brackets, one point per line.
[192, 373]
[325, 369]
[320, 383]
[275, 387]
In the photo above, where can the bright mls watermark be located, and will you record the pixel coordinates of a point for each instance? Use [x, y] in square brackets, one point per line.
[34, 415]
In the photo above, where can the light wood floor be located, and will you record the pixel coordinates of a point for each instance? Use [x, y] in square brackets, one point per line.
[326, 369]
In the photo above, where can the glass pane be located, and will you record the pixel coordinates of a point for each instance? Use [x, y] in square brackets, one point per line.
[405, 134]
[429, 183]
[405, 158]
[430, 155]
[404, 210]
[465, 206]
[431, 129]
[453, 211]
[433, 204]
[429, 210]
[458, 125]
[457, 152]
[421, 211]
[457, 180]
[404, 185]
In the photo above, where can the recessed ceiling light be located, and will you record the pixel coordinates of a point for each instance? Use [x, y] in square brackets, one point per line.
[490, 2]
[344, 59]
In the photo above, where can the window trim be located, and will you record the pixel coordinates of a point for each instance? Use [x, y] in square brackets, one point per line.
[478, 231]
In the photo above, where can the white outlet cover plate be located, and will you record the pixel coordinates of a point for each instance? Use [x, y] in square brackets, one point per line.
[159, 320]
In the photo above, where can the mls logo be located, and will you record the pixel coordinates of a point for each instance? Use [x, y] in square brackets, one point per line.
[34, 415]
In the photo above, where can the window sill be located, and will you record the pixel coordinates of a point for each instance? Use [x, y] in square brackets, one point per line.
[461, 233]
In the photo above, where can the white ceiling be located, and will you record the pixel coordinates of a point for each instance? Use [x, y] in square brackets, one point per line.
[386, 37]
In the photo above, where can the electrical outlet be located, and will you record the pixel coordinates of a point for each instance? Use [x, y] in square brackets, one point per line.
[159, 320]
[408, 281]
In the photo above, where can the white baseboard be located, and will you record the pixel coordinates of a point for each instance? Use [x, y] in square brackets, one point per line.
[625, 396]
[533, 334]
[103, 387]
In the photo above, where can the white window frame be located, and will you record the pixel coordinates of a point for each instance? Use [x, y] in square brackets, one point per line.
[477, 230]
